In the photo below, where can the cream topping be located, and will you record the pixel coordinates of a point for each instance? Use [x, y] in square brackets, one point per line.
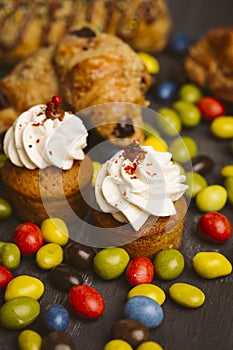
[35, 141]
[133, 190]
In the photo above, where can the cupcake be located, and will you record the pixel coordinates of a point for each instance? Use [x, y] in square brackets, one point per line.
[46, 171]
[140, 195]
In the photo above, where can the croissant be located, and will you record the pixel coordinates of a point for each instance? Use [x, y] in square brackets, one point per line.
[86, 68]
[27, 25]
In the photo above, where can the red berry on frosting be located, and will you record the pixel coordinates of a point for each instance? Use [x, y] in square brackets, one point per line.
[56, 100]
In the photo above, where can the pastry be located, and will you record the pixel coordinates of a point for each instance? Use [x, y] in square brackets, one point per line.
[139, 195]
[28, 25]
[210, 62]
[47, 172]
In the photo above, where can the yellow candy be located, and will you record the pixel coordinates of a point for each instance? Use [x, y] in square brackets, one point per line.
[222, 127]
[49, 256]
[96, 168]
[54, 230]
[150, 62]
[227, 171]
[29, 340]
[149, 345]
[24, 286]
[187, 295]
[157, 143]
[148, 290]
[211, 265]
[117, 344]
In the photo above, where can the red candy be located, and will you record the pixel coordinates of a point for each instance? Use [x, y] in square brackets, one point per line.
[86, 301]
[28, 238]
[140, 270]
[214, 227]
[211, 107]
[5, 276]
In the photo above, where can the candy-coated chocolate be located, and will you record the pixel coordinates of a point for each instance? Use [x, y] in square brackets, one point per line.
[145, 310]
[28, 238]
[166, 90]
[222, 127]
[189, 114]
[190, 93]
[23, 285]
[149, 345]
[29, 340]
[169, 264]
[117, 344]
[132, 331]
[86, 301]
[196, 182]
[187, 295]
[227, 171]
[58, 340]
[169, 123]
[202, 164]
[5, 276]
[150, 62]
[55, 230]
[211, 265]
[9, 255]
[19, 312]
[49, 256]
[183, 149]
[56, 318]
[179, 42]
[65, 277]
[148, 290]
[211, 198]
[5, 209]
[140, 270]
[214, 227]
[156, 142]
[110, 263]
[79, 255]
[211, 107]
[228, 183]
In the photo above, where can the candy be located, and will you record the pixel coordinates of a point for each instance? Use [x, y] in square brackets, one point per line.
[2, 160]
[140, 270]
[148, 290]
[222, 127]
[65, 277]
[19, 312]
[9, 255]
[55, 230]
[188, 113]
[166, 90]
[117, 344]
[169, 264]
[131, 331]
[196, 183]
[27, 286]
[5, 209]
[211, 265]
[150, 62]
[157, 143]
[227, 171]
[29, 340]
[79, 255]
[58, 340]
[170, 123]
[214, 227]
[96, 168]
[190, 93]
[49, 256]
[149, 345]
[28, 238]
[5, 276]
[202, 164]
[179, 42]
[145, 310]
[183, 149]
[211, 198]
[149, 130]
[56, 318]
[228, 183]
[186, 295]
[211, 107]
[110, 263]
[86, 301]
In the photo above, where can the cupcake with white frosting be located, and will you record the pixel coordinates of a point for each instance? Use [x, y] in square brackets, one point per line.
[47, 169]
[140, 191]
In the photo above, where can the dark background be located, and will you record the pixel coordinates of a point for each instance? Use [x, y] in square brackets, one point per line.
[210, 326]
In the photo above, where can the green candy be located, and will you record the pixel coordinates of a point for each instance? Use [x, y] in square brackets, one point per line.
[211, 265]
[110, 263]
[190, 93]
[186, 295]
[5, 209]
[211, 198]
[170, 123]
[149, 130]
[228, 183]
[196, 183]
[189, 114]
[19, 312]
[9, 255]
[169, 264]
[29, 340]
[183, 149]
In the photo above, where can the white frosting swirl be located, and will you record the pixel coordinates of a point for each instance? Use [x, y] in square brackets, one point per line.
[34, 141]
[132, 191]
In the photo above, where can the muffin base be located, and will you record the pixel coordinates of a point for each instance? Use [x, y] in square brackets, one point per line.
[155, 235]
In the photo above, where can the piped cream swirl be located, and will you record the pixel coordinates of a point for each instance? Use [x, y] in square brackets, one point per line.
[131, 190]
[35, 141]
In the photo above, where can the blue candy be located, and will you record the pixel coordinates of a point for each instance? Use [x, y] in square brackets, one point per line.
[166, 90]
[145, 310]
[179, 43]
[56, 318]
